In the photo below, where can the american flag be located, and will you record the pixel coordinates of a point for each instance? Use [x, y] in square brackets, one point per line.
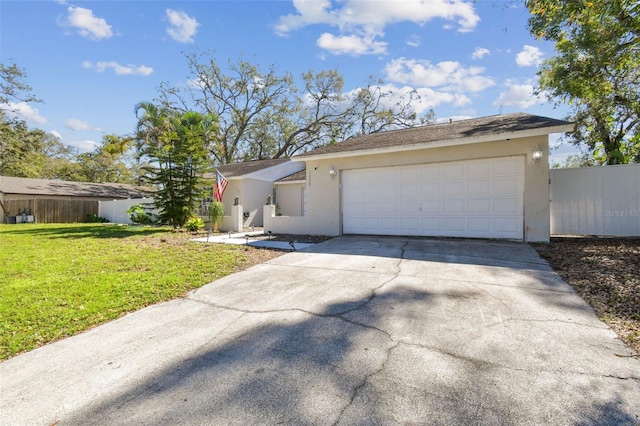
[221, 184]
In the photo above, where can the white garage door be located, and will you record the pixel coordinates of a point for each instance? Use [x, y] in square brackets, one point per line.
[474, 198]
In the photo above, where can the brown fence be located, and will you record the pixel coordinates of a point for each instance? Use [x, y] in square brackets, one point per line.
[52, 210]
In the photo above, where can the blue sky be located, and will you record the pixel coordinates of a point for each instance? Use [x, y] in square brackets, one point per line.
[92, 62]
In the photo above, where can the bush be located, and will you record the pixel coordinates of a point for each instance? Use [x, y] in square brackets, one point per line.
[94, 218]
[216, 213]
[194, 224]
[138, 215]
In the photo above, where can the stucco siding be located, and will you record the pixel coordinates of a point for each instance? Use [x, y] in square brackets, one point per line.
[289, 198]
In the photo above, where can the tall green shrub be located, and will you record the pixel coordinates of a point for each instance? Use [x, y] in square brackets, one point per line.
[216, 213]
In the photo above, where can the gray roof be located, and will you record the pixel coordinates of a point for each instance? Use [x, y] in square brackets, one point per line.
[475, 127]
[248, 167]
[16, 185]
[297, 176]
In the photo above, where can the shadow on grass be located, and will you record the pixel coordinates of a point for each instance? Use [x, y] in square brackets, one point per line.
[81, 230]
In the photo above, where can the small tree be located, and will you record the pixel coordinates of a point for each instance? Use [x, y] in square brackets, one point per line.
[177, 146]
[216, 213]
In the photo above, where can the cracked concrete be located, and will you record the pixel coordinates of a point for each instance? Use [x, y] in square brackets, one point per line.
[356, 330]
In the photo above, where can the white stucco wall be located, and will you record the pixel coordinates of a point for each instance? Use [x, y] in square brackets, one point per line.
[289, 198]
[323, 193]
[252, 194]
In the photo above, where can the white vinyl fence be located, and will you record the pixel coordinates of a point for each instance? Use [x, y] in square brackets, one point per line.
[602, 201]
[116, 211]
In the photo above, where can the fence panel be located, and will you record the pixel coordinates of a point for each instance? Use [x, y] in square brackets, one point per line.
[53, 210]
[596, 201]
[116, 211]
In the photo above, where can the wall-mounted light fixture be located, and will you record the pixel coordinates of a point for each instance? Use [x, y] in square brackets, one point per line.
[333, 173]
[537, 154]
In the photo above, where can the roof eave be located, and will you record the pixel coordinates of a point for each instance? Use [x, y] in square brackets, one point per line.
[439, 144]
[299, 181]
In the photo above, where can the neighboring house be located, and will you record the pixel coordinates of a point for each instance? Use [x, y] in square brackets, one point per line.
[252, 182]
[55, 201]
[481, 178]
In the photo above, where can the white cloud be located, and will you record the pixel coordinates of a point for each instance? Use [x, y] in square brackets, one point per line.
[447, 75]
[529, 56]
[519, 95]
[78, 125]
[351, 45]
[414, 41]
[56, 134]
[23, 111]
[480, 52]
[84, 146]
[118, 69]
[361, 22]
[86, 24]
[182, 27]
[377, 15]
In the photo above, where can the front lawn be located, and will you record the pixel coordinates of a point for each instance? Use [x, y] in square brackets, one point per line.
[58, 280]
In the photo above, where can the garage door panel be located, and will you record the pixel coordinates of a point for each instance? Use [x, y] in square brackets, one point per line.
[508, 166]
[454, 188]
[506, 186]
[410, 190]
[480, 224]
[475, 198]
[507, 206]
[410, 175]
[479, 206]
[430, 224]
[431, 206]
[429, 172]
[480, 187]
[481, 168]
[455, 206]
[431, 190]
[506, 224]
[453, 170]
[458, 224]
[389, 222]
[410, 207]
[410, 224]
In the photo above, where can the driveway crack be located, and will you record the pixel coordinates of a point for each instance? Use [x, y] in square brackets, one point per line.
[356, 389]
[480, 362]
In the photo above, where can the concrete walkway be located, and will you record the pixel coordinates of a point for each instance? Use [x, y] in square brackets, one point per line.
[249, 238]
[355, 330]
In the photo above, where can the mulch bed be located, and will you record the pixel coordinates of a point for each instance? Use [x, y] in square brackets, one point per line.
[605, 272]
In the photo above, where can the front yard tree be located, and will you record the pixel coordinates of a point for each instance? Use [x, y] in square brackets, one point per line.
[176, 145]
[263, 114]
[596, 70]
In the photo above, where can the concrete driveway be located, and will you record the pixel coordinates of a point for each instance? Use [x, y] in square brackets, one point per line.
[357, 330]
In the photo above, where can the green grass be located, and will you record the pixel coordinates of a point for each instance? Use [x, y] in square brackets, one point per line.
[57, 280]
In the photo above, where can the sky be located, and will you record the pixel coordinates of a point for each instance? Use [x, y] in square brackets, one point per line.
[91, 62]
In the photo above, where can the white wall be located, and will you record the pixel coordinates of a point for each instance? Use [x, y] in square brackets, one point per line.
[596, 201]
[116, 211]
[252, 195]
[289, 198]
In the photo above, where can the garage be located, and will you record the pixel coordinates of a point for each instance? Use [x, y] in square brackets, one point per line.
[480, 198]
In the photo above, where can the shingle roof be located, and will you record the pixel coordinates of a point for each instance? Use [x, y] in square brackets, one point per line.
[475, 127]
[15, 185]
[248, 167]
[297, 176]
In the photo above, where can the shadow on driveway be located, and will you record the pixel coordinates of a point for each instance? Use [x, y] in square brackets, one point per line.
[355, 331]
